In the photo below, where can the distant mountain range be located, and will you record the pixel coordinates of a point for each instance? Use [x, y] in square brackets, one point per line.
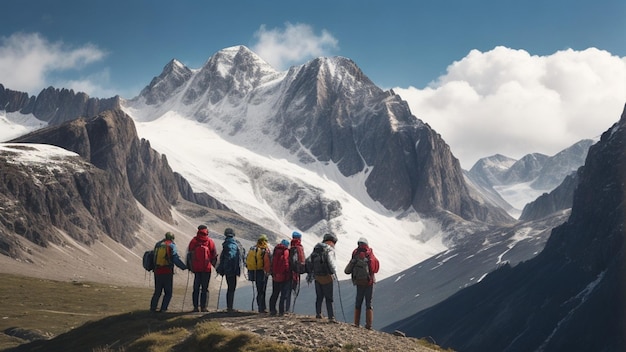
[317, 148]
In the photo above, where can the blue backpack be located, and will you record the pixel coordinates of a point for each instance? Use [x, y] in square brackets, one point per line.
[230, 259]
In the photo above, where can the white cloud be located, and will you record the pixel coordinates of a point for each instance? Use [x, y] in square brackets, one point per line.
[510, 102]
[27, 62]
[292, 45]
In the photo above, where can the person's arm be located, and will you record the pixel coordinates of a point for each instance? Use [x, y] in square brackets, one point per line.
[213, 252]
[179, 263]
[332, 262]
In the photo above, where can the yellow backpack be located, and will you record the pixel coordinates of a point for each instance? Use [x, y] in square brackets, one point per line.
[162, 254]
[254, 259]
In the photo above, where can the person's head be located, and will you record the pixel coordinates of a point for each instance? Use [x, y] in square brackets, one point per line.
[362, 241]
[169, 236]
[296, 235]
[330, 237]
[285, 243]
[228, 232]
[262, 239]
[203, 230]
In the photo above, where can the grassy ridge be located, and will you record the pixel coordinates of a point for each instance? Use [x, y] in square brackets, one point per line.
[54, 307]
[105, 318]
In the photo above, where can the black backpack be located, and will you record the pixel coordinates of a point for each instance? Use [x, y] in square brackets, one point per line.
[148, 260]
[318, 261]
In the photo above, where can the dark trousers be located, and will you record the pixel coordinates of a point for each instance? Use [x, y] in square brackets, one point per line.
[261, 285]
[200, 289]
[279, 289]
[231, 281]
[364, 292]
[162, 283]
[324, 292]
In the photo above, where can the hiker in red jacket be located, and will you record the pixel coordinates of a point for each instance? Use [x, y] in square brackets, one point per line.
[362, 268]
[281, 277]
[201, 255]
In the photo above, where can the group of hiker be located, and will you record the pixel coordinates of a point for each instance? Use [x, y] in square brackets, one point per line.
[285, 263]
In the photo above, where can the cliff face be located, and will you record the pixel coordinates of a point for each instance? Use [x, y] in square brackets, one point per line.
[55, 105]
[45, 194]
[572, 296]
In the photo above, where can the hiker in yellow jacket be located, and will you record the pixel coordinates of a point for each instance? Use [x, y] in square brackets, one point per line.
[258, 263]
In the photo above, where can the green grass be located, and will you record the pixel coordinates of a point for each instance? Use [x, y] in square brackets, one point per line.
[107, 318]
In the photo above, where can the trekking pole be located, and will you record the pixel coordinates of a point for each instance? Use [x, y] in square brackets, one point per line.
[295, 297]
[182, 309]
[253, 284]
[340, 300]
[218, 294]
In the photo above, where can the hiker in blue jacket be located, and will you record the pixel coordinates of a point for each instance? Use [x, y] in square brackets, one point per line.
[230, 265]
[165, 260]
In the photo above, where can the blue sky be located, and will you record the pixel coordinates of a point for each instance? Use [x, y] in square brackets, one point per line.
[114, 47]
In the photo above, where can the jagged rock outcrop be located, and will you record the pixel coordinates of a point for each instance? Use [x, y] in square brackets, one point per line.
[572, 296]
[55, 106]
[109, 141]
[45, 192]
[174, 75]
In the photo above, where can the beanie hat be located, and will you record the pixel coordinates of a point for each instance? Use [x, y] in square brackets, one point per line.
[169, 236]
[296, 234]
[202, 227]
[228, 232]
[362, 240]
[285, 243]
[330, 237]
[263, 238]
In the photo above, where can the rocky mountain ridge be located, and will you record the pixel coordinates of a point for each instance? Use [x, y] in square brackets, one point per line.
[570, 296]
[326, 110]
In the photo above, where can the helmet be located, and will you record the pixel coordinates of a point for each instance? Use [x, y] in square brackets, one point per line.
[296, 234]
[330, 237]
[169, 236]
[362, 240]
[228, 232]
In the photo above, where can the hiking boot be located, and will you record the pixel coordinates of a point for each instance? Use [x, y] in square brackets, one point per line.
[204, 309]
[195, 310]
[264, 311]
[319, 316]
[273, 314]
[332, 320]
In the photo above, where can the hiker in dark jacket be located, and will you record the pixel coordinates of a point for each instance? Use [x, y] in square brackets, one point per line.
[230, 265]
[164, 272]
[324, 275]
[363, 256]
[203, 255]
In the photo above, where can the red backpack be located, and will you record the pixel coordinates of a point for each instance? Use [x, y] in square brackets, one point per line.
[201, 258]
[280, 264]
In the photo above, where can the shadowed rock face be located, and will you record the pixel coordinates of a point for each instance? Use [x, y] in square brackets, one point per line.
[54, 105]
[572, 296]
[121, 170]
[68, 194]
